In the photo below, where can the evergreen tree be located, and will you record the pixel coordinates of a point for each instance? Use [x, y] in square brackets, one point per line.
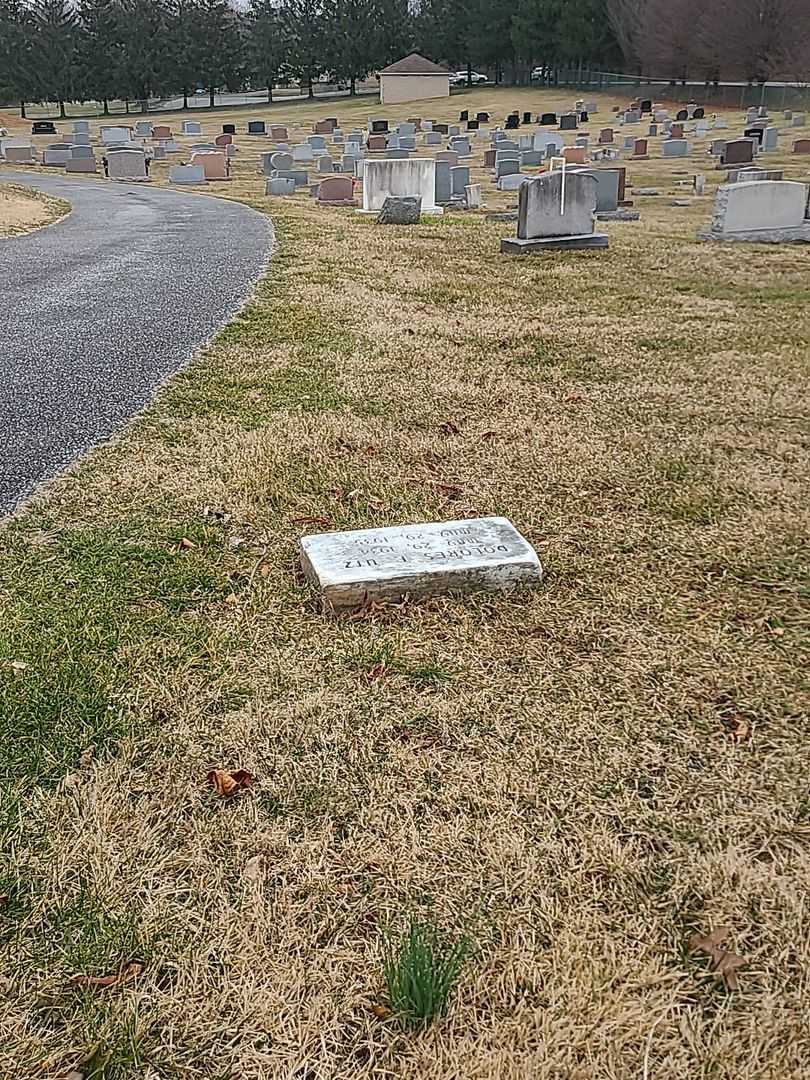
[305, 28]
[16, 68]
[144, 64]
[53, 46]
[185, 59]
[267, 44]
[217, 45]
[96, 51]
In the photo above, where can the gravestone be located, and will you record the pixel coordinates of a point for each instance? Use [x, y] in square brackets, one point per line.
[400, 210]
[698, 113]
[527, 118]
[548, 119]
[801, 146]
[482, 117]
[81, 165]
[447, 155]
[159, 152]
[278, 133]
[299, 176]
[112, 135]
[214, 164]
[607, 187]
[628, 142]
[459, 179]
[444, 187]
[256, 127]
[126, 164]
[378, 127]
[416, 177]
[432, 138]
[407, 142]
[441, 128]
[303, 152]
[770, 139]
[681, 115]
[352, 569]
[397, 155]
[191, 127]
[640, 149]
[160, 131]
[676, 131]
[56, 155]
[632, 116]
[19, 155]
[556, 210]
[143, 129]
[79, 151]
[317, 142]
[375, 143]
[336, 191]
[645, 105]
[223, 140]
[323, 127]
[752, 172]
[324, 164]
[512, 121]
[489, 159]
[675, 148]
[187, 174]
[279, 185]
[229, 129]
[472, 196]
[279, 160]
[575, 155]
[738, 152]
[545, 139]
[763, 211]
[81, 127]
[798, 120]
[460, 145]
[506, 167]
[43, 127]
[532, 158]
[606, 136]
[511, 182]
[568, 122]
[473, 125]
[754, 133]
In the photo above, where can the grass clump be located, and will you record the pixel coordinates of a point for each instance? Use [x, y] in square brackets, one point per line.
[421, 967]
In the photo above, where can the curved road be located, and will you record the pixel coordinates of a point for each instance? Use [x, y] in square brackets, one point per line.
[97, 310]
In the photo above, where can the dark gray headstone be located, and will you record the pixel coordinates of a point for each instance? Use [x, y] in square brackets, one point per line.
[401, 210]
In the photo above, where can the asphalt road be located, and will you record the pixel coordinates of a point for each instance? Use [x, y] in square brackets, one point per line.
[97, 310]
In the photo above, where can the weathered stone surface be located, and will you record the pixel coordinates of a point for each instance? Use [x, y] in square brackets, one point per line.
[368, 565]
[544, 211]
[416, 177]
[401, 210]
[618, 215]
[765, 211]
[515, 246]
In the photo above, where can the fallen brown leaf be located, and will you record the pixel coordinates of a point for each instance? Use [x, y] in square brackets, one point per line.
[186, 543]
[449, 428]
[488, 436]
[379, 671]
[127, 974]
[725, 963]
[227, 784]
[382, 1012]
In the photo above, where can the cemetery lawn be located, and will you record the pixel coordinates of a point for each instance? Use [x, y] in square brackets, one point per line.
[578, 777]
[22, 209]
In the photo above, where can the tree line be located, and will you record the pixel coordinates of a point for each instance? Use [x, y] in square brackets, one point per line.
[711, 40]
[102, 50]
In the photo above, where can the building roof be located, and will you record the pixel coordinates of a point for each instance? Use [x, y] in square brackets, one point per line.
[414, 65]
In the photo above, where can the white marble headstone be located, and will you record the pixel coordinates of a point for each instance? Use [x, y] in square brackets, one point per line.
[366, 565]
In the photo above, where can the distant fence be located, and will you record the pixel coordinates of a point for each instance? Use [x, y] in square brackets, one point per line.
[257, 98]
[721, 95]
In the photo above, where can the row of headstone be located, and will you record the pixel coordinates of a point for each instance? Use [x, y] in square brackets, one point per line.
[760, 211]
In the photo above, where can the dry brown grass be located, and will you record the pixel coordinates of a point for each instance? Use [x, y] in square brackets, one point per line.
[22, 210]
[557, 772]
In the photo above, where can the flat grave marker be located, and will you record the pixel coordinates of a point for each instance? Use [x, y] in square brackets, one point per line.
[438, 557]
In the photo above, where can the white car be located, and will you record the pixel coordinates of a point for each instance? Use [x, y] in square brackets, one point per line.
[459, 78]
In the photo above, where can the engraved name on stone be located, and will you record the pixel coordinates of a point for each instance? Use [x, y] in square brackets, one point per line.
[351, 568]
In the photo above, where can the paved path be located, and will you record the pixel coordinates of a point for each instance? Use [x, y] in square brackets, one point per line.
[97, 310]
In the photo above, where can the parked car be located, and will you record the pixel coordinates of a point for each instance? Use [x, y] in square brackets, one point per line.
[459, 78]
[540, 74]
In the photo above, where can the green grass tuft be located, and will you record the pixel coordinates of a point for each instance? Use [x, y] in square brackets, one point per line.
[421, 967]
